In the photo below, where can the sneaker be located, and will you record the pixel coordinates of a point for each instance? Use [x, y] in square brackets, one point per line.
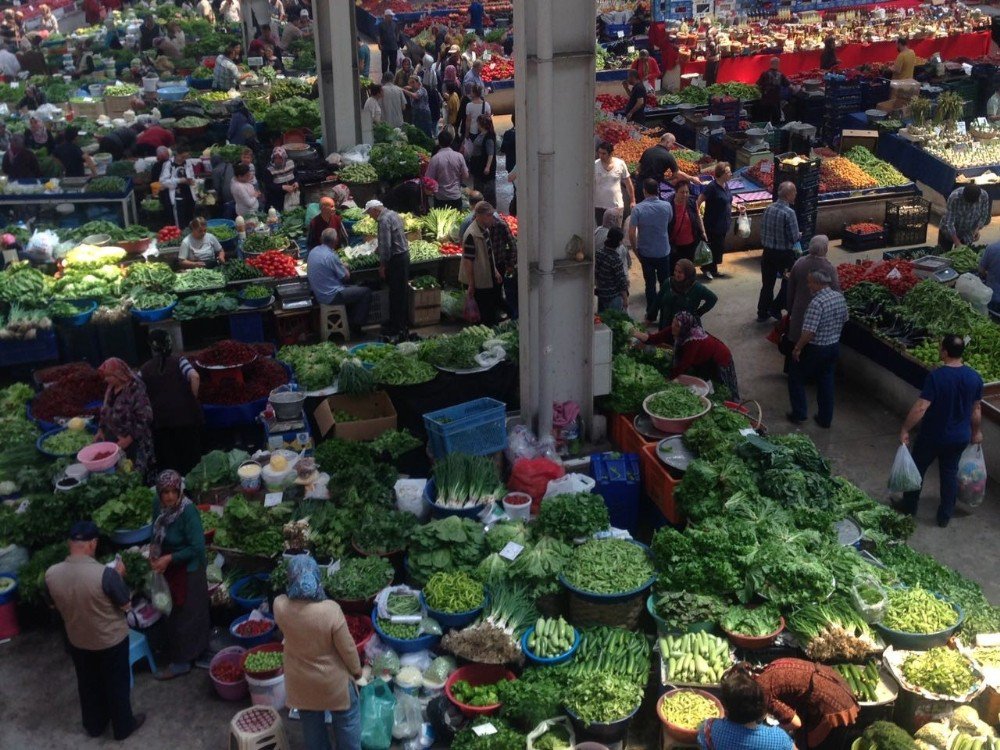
[708, 275]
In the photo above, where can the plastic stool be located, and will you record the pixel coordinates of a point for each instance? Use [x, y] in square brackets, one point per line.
[138, 649]
[333, 319]
[257, 728]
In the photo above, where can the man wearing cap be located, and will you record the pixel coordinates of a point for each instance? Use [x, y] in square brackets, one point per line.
[394, 263]
[388, 41]
[92, 599]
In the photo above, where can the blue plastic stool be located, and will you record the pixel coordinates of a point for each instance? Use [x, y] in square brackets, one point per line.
[138, 649]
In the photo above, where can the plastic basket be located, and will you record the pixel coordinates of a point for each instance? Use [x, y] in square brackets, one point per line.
[251, 641]
[477, 428]
[154, 316]
[125, 537]
[268, 673]
[452, 619]
[857, 242]
[658, 484]
[400, 646]
[39, 443]
[81, 318]
[618, 482]
[476, 675]
[921, 641]
[549, 660]
[238, 584]
[229, 691]
[681, 734]
[907, 212]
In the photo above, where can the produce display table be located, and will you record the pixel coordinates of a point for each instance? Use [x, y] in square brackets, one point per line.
[125, 201]
[917, 164]
[907, 368]
[747, 69]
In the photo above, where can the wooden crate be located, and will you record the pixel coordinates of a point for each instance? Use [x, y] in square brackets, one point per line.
[91, 110]
[425, 306]
[117, 105]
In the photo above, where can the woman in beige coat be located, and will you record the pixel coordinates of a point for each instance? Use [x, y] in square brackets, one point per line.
[321, 660]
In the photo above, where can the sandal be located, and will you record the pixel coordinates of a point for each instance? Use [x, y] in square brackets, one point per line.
[170, 673]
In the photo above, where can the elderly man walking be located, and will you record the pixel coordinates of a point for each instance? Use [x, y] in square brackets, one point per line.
[394, 264]
[798, 292]
[92, 599]
[779, 231]
[817, 350]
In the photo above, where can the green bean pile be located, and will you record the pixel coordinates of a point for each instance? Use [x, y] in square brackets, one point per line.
[608, 566]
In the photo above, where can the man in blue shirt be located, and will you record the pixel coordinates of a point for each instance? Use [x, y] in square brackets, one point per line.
[476, 16]
[989, 269]
[327, 280]
[649, 238]
[949, 414]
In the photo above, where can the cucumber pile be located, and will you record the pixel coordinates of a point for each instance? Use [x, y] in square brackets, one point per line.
[551, 638]
[697, 658]
[863, 681]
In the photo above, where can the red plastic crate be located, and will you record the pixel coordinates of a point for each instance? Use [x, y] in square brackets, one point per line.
[615, 424]
[658, 484]
[630, 440]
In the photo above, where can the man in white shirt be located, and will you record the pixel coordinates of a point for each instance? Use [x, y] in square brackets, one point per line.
[393, 102]
[9, 64]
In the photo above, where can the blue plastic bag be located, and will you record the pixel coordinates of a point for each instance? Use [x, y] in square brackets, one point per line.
[378, 712]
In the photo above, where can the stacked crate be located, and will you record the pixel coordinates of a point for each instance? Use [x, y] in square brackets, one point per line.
[728, 109]
[805, 177]
[842, 99]
[906, 221]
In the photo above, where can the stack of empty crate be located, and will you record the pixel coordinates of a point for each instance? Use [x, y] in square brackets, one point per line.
[842, 99]
[804, 174]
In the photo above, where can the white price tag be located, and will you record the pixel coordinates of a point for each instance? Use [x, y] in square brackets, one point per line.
[255, 62]
[511, 550]
[272, 498]
[484, 730]
[487, 55]
[766, 167]
[981, 122]
[960, 125]
[621, 34]
[219, 560]
[9, 256]
[15, 84]
[631, 49]
[333, 567]
[23, 506]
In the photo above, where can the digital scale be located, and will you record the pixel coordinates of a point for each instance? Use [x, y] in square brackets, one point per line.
[935, 268]
[293, 295]
[747, 156]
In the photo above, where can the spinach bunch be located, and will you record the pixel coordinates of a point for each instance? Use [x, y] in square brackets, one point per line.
[571, 516]
[449, 544]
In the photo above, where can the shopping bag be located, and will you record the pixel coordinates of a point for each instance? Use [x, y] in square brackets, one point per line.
[159, 589]
[904, 476]
[743, 225]
[378, 714]
[471, 312]
[972, 476]
[703, 254]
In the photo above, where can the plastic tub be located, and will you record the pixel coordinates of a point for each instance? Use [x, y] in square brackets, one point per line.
[127, 537]
[7, 595]
[269, 692]
[229, 691]
[476, 675]
[96, 239]
[248, 642]
[549, 660]
[87, 453]
[921, 641]
[610, 598]
[39, 443]
[752, 642]
[81, 318]
[238, 584]
[517, 505]
[154, 316]
[682, 734]
[172, 93]
[249, 474]
[675, 425]
[453, 619]
[608, 734]
[404, 647]
[268, 673]
[706, 626]
[365, 624]
[439, 511]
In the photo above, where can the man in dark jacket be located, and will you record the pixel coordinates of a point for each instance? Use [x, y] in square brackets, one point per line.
[388, 41]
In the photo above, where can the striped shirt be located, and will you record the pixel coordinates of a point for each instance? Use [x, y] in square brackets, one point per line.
[609, 273]
[186, 369]
[964, 218]
[779, 227]
[825, 317]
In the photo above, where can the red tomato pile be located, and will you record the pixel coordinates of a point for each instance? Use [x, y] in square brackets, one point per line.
[498, 69]
[168, 234]
[227, 353]
[450, 248]
[251, 628]
[274, 263]
[511, 222]
[227, 672]
[880, 272]
[612, 102]
[613, 131]
[864, 227]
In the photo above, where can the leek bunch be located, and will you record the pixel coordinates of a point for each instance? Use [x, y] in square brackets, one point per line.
[463, 481]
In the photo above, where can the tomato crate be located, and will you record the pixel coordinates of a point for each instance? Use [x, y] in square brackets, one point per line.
[618, 482]
[478, 428]
[658, 484]
[858, 242]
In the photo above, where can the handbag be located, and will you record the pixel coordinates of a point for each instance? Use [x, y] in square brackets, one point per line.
[702, 254]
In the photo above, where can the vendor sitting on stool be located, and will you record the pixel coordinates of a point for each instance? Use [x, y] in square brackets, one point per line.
[327, 280]
[201, 248]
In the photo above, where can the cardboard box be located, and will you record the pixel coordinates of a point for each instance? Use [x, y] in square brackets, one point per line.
[375, 413]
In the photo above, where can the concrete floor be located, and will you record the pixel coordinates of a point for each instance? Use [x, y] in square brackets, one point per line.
[37, 687]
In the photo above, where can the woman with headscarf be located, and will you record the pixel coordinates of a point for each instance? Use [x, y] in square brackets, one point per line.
[172, 384]
[33, 98]
[696, 352]
[684, 293]
[126, 414]
[420, 107]
[484, 159]
[321, 660]
[282, 189]
[239, 119]
[37, 135]
[342, 197]
[178, 552]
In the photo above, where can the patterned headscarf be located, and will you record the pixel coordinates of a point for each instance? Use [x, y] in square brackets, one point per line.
[450, 74]
[168, 481]
[304, 580]
[279, 151]
[117, 372]
[341, 193]
[691, 329]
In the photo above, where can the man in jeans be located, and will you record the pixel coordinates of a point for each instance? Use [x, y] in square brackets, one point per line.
[394, 264]
[949, 413]
[817, 350]
[649, 237]
[779, 231]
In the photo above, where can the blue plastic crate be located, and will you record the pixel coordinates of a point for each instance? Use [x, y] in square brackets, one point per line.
[40, 349]
[476, 428]
[618, 482]
[247, 327]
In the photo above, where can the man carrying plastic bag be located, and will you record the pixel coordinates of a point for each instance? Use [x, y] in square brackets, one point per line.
[949, 414]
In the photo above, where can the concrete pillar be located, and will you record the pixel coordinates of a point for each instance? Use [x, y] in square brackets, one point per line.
[336, 36]
[554, 105]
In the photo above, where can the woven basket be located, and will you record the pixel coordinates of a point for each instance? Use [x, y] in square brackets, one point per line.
[622, 614]
[551, 605]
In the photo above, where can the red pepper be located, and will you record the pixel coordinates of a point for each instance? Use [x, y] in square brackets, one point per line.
[359, 627]
[251, 628]
[227, 353]
[259, 379]
[227, 672]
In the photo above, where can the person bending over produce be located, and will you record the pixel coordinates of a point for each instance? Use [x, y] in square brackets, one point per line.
[810, 698]
[178, 552]
[126, 414]
[321, 661]
[177, 417]
[743, 727]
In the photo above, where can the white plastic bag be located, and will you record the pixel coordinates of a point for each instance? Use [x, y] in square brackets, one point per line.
[408, 716]
[972, 476]
[356, 155]
[743, 225]
[904, 476]
[971, 288]
[569, 484]
[159, 589]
